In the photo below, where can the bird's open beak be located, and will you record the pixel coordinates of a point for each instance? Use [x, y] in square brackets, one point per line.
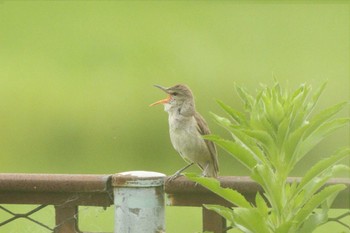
[163, 101]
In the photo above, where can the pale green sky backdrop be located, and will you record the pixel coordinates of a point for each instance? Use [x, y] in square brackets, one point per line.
[76, 76]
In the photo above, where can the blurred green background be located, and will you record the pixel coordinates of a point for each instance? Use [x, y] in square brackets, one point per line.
[76, 77]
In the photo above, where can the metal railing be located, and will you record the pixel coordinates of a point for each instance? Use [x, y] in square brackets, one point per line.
[67, 192]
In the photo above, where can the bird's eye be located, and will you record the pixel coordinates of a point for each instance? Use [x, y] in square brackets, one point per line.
[174, 94]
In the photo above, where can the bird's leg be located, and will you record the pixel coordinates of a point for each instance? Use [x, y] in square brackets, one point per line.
[178, 173]
[204, 173]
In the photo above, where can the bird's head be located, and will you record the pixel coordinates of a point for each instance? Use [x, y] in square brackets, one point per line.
[178, 96]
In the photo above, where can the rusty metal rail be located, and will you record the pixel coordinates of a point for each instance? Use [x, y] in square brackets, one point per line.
[64, 192]
[67, 192]
[182, 192]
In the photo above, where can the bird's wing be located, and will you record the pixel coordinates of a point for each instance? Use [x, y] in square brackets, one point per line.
[203, 129]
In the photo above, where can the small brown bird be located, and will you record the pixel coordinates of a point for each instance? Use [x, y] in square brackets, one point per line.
[186, 127]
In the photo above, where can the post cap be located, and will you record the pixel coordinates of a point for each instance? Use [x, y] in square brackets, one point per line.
[138, 179]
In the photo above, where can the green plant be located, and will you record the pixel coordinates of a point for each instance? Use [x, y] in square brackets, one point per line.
[273, 134]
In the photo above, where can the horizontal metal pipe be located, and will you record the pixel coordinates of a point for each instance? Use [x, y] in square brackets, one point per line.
[183, 192]
[25, 188]
[54, 182]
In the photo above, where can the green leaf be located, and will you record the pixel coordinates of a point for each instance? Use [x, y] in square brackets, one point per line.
[319, 134]
[323, 116]
[262, 136]
[213, 185]
[259, 121]
[321, 166]
[274, 106]
[285, 227]
[224, 122]
[315, 98]
[283, 132]
[249, 143]
[292, 146]
[298, 103]
[250, 221]
[237, 116]
[261, 205]
[313, 221]
[236, 150]
[264, 142]
[271, 184]
[247, 99]
[298, 92]
[340, 170]
[317, 200]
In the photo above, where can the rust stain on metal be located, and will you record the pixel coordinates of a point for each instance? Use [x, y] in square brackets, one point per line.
[119, 180]
[137, 179]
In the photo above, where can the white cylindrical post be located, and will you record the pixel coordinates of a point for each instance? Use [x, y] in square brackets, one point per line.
[139, 202]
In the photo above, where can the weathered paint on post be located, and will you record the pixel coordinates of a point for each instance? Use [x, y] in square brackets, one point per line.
[139, 202]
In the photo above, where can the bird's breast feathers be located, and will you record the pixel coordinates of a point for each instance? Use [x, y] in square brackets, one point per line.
[186, 139]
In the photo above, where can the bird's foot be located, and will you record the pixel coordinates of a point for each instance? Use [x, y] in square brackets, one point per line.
[178, 173]
[174, 177]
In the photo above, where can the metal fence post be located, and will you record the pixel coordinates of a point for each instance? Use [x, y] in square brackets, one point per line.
[66, 219]
[139, 202]
[212, 221]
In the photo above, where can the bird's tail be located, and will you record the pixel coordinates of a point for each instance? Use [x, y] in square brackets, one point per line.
[210, 170]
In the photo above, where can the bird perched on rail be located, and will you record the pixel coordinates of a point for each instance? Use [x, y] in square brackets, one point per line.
[186, 128]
